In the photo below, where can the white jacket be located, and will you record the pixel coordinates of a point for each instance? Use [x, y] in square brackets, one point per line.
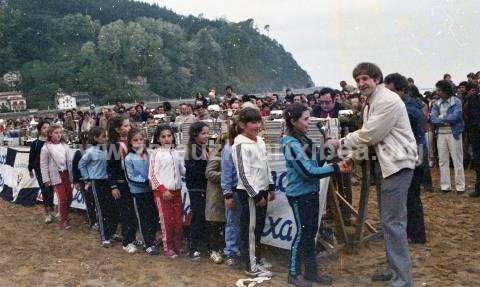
[386, 127]
[251, 162]
[166, 168]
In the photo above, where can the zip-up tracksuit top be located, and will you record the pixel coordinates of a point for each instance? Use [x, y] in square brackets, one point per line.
[251, 161]
[93, 164]
[136, 172]
[303, 173]
[166, 169]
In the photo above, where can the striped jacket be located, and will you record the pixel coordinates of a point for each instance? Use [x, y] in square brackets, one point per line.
[251, 162]
[166, 169]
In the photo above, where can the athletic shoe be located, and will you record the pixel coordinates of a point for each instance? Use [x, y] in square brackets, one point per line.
[299, 281]
[48, 219]
[194, 256]
[233, 262]
[171, 254]
[107, 243]
[216, 257]
[264, 263]
[321, 280]
[152, 250]
[259, 271]
[139, 244]
[130, 248]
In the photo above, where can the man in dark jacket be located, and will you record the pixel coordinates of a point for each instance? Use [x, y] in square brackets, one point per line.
[472, 120]
[415, 222]
[328, 106]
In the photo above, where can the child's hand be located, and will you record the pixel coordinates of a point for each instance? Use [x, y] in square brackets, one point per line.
[167, 195]
[88, 185]
[31, 174]
[271, 195]
[230, 203]
[262, 202]
[116, 193]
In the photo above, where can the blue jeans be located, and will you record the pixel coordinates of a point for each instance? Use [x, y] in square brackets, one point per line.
[232, 228]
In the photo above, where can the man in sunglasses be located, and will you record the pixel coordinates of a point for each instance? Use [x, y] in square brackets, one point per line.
[327, 104]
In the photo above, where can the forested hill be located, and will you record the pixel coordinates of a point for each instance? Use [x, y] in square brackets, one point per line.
[95, 46]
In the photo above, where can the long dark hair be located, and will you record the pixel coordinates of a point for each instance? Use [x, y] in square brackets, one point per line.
[158, 132]
[40, 125]
[195, 129]
[293, 113]
[113, 124]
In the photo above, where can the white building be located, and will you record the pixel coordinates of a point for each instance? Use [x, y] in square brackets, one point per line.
[65, 101]
[13, 101]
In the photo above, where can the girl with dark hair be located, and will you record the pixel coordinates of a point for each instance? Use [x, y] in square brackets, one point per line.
[136, 172]
[56, 171]
[118, 128]
[93, 167]
[165, 174]
[304, 169]
[196, 158]
[34, 165]
[255, 188]
[80, 183]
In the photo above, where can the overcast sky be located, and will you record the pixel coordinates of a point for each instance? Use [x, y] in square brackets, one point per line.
[422, 39]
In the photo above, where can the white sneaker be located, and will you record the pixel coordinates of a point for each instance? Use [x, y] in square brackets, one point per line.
[259, 271]
[130, 248]
[216, 257]
[107, 243]
[264, 263]
[48, 219]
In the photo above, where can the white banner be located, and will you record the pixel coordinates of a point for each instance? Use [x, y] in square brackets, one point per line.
[279, 229]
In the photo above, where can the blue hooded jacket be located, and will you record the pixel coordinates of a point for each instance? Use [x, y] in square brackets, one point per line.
[303, 172]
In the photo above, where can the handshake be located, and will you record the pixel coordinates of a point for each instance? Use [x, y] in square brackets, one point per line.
[345, 165]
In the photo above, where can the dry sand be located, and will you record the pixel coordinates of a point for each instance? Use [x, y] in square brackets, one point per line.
[34, 254]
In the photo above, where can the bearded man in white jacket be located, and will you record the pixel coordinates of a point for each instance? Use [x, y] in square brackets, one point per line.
[386, 129]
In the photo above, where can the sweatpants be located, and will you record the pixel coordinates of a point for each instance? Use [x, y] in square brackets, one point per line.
[252, 223]
[64, 195]
[305, 211]
[198, 227]
[126, 213]
[90, 204]
[170, 214]
[392, 202]
[415, 220]
[47, 192]
[105, 207]
[147, 217]
[232, 228]
[448, 147]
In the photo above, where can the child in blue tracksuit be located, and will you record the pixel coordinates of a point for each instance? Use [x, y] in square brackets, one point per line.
[136, 171]
[93, 167]
[229, 181]
[303, 174]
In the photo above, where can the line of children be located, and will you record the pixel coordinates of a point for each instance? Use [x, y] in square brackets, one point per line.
[130, 185]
